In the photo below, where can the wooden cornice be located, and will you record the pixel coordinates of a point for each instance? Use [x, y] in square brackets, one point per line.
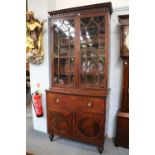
[101, 7]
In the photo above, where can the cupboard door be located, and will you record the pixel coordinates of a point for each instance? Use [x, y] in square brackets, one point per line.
[92, 51]
[89, 127]
[60, 122]
[63, 52]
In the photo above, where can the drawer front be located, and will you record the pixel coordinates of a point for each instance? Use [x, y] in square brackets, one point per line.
[55, 100]
[75, 103]
[92, 105]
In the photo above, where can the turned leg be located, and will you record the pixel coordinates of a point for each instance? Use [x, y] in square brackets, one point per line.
[100, 149]
[116, 145]
[51, 137]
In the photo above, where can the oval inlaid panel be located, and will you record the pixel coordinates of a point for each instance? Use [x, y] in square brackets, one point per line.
[59, 122]
[88, 127]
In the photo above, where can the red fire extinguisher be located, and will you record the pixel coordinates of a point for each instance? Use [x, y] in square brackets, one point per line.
[37, 104]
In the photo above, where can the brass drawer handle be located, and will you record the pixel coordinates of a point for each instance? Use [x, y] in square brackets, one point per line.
[57, 100]
[89, 104]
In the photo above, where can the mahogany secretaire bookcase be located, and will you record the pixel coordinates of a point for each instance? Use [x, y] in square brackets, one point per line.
[76, 102]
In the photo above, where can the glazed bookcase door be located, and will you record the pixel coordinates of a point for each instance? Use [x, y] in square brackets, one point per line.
[60, 122]
[92, 51]
[89, 127]
[63, 52]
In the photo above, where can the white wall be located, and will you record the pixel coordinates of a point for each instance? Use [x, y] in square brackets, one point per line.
[40, 74]
[115, 73]
[61, 4]
[51, 5]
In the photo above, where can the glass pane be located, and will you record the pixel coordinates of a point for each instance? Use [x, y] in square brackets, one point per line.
[101, 37]
[92, 42]
[72, 61]
[64, 72]
[72, 80]
[64, 80]
[71, 48]
[66, 69]
[55, 42]
[64, 34]
[83, 70]
[64, 66]
[72, 73]
[64, 46]
[101, 69]
[56, 80]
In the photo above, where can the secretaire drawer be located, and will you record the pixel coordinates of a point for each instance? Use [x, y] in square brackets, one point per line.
[95, 105]
[75, 102]
[59, 99]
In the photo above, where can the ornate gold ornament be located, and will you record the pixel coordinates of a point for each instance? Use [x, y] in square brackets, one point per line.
[34, 50]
